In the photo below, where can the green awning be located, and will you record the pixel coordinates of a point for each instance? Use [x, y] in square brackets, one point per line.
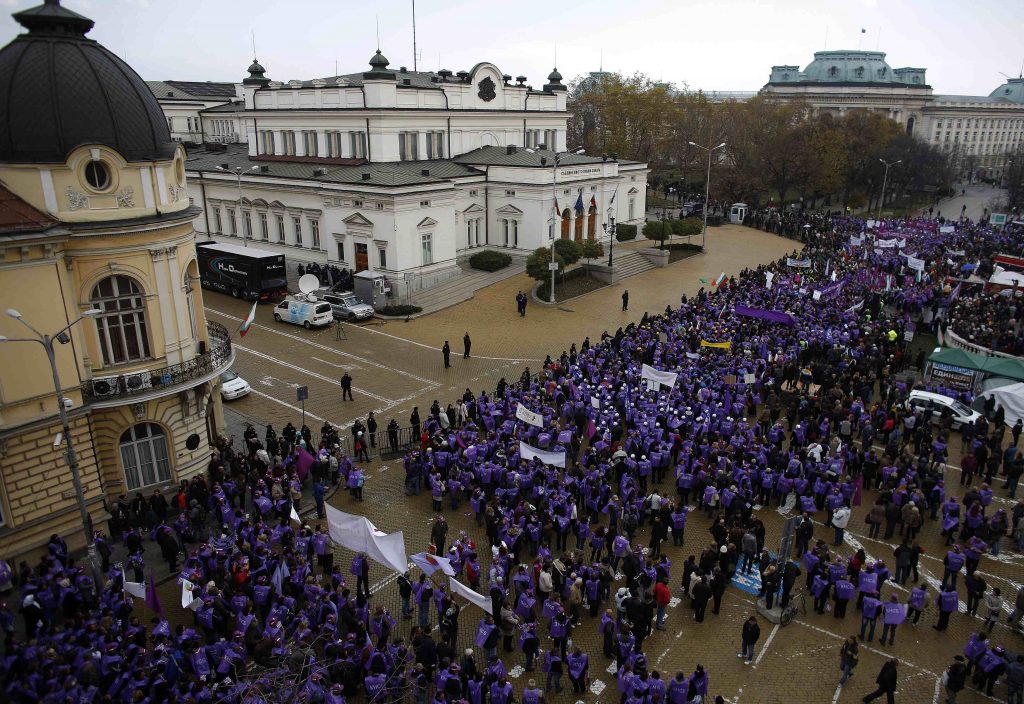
[1005, 366]
[959, 358]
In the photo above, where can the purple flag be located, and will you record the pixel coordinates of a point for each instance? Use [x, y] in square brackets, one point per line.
[152, 600]
[303, 462]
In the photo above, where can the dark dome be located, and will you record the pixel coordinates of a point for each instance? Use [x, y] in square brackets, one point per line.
[59, 91]
[555, 76]
[379, 61]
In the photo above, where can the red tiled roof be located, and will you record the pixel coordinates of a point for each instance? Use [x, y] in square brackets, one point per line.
[18, 216]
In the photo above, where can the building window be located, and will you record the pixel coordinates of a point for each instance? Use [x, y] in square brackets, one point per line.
[408, 146]
[357, 204]
[144, 455]
[632, 208]
[341, 250]
[232, 223]
[289, 142]
[97, 176]
[506, 226]
[314, 229]
[551, 139]
[515, 233]
[122, 324]
[190, 301]
[424, 203]
[427, 245]
[217, 226]
[510, 194]
[297, 225]
[472, 193]
[309, 142]
[280, 228]
[248, 223]
[435, 145]
[264, 228]
[383, 254]
[378, 206]
[357, 141]
[334, 144]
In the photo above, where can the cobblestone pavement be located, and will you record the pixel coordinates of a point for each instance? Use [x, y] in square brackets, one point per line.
[397, 365]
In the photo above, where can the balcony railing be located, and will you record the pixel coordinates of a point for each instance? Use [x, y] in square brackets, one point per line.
[209, 361]
[954, 340]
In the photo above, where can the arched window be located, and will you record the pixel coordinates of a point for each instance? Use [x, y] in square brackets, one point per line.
[189, 298]
[122, 325]
[144, 455]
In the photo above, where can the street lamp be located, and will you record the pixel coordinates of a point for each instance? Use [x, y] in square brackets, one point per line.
[885, 178]
[69, 457]
[554, 201]
[238, 171]
[609, 228]
[707, 192]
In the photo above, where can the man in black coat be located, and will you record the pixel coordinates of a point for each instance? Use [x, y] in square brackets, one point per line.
[446, 351]
[886, 682]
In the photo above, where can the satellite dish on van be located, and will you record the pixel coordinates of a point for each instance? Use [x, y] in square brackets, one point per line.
[308, 283]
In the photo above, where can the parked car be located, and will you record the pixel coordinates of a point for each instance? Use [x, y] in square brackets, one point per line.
[233, 386]
[346, 305]
[308, 314]
[935, 404]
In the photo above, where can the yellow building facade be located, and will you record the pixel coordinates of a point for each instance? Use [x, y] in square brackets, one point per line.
[95, 220]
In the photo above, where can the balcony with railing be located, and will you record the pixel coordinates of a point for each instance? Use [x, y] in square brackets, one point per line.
[214, 357]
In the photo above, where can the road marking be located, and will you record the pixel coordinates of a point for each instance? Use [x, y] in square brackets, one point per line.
[328, 379]
[938, 684]
[431, 382]
[288, 405]
[438, 349]
[764, 648]
[337, 366]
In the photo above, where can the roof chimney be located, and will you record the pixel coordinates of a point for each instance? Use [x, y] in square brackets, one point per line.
[264, 168]
[510, 149]
[425, 172]
[366, 177]
[319, 172]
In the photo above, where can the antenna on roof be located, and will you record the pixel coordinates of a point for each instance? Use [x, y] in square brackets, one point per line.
[253, 33]
[826, 37]
[378, 32]
[600, 63]
[414, 36]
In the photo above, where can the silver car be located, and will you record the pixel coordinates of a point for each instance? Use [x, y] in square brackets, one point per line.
[347, 306]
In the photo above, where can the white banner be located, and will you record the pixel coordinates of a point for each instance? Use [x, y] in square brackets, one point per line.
[901, 243]
[885, 244]
[651, 374]
[946, 229]
[358, 534]
[768, 276]
[484, 602]
[547, 457]
[432, 563]
[855, 307]
[187, 600]
[135, 589]
[527, 416]
[870, 223]
[915, 263]
[856, 241]
[798, 263]
[879, 251]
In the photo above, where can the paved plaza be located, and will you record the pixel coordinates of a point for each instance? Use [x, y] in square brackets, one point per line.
[396, 365]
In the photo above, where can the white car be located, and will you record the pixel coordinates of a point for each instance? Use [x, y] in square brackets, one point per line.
[935, 404]
[233, 386]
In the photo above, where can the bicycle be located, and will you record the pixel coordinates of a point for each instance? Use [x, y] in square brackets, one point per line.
[797, 604]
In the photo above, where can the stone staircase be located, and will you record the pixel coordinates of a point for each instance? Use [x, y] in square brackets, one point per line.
[630, 263]
[464, 287]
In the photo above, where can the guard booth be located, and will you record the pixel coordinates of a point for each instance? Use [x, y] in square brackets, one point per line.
[371, 287]
[737, 212]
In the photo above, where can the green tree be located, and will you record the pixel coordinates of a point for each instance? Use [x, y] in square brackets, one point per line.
[568, 250]
[537, 264]
[591, 249]
[658, 230]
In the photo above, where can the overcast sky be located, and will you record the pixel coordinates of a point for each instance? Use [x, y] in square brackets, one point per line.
[709, 44]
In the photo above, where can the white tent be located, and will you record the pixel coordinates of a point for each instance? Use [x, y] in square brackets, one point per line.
[1011, 398]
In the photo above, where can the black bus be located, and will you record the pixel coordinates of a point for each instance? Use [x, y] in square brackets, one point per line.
[243, 272]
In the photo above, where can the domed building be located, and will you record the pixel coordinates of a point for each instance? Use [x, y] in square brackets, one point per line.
[981, 131]
[96, 241]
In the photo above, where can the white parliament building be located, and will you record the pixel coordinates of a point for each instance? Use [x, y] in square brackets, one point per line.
[404, 172]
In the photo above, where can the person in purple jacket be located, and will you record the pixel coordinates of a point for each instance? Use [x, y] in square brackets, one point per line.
[915, 602]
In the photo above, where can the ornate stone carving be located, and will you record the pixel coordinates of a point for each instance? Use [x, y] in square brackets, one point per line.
[157, 254]
[487, 92]
[176, 191]
[76, 199]
[138, 410]
[126, 197]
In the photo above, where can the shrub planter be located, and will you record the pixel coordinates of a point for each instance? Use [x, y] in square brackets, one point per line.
[489, 260]
[601, 272]
[658, 257]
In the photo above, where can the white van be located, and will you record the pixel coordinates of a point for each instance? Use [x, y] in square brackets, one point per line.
[308, 314]
[937, 403]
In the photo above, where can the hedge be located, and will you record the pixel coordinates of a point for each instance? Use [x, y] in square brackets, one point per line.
[398, 310]
[489, 260]
[624, 233]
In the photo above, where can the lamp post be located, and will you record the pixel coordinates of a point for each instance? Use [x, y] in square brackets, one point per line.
[707, 192]
[609, 227]
[70, 457]
[885, 178]
[238, 171]
[554, 200]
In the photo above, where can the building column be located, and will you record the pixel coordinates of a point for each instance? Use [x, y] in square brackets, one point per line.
[279, 142]
[321, 143]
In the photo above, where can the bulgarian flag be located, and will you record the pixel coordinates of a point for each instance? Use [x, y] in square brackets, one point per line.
[247, 323]
[721, 278]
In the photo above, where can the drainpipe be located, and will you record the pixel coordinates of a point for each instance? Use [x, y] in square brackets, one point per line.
[206, 210]
[369, 149]
[449, 145]
[487, 207]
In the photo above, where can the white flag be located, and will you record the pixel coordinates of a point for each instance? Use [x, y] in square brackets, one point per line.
[295, 515]
[484, 602]
[527, 416]
[556, 459]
